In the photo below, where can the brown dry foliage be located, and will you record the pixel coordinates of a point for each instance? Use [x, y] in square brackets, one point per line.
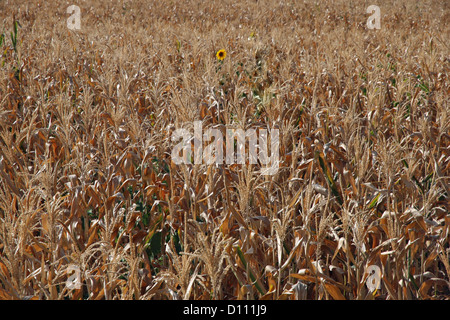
[86, 177]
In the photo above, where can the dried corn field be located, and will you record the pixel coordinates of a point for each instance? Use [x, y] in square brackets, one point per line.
[93, 207]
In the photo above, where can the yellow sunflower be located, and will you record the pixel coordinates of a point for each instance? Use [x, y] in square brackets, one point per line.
[221, 54]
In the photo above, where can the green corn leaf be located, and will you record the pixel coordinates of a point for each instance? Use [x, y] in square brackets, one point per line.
[428, 177]
[250, 271]
[329, 178]
[374, 202]
[405, 163]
